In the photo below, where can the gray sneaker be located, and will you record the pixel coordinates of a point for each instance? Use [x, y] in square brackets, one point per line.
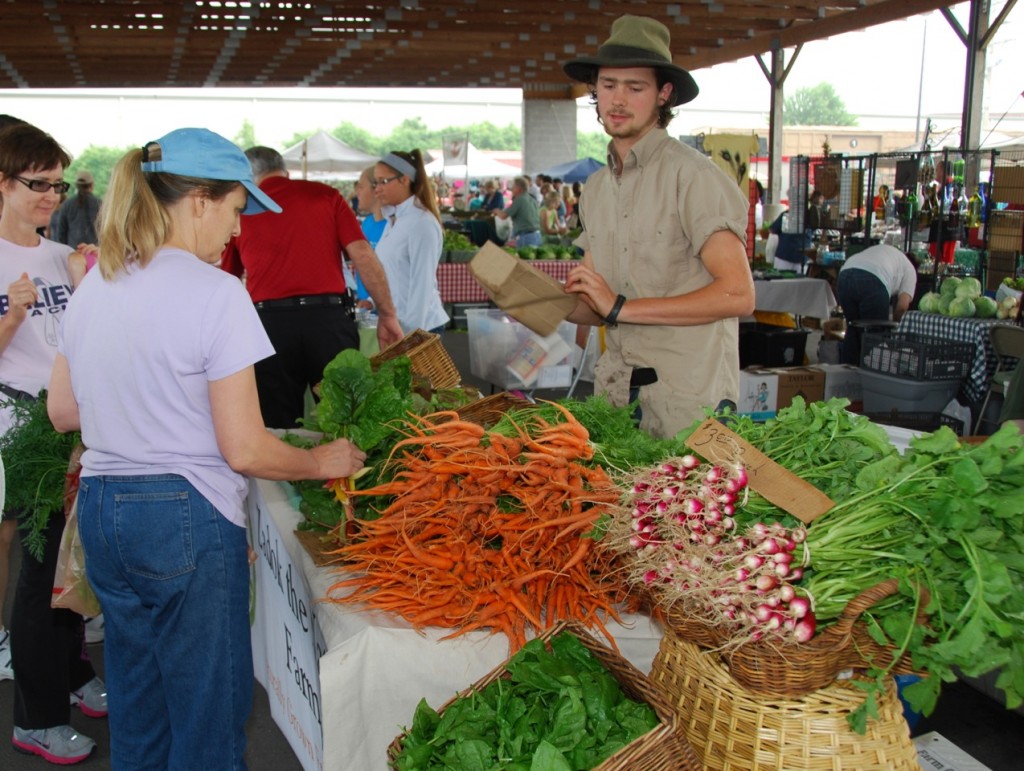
[61, 744]
[91, 698]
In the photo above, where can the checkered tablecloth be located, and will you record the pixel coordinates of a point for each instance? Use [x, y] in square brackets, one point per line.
[457, 284]
[974, 331]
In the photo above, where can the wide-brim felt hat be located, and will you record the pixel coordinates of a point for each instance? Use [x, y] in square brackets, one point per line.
[636, 41]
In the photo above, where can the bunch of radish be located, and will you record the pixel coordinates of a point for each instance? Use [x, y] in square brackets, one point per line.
[677, 527]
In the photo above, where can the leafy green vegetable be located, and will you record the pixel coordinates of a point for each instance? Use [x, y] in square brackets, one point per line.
[364, 406]
[36, 461]
[456, 241]
[558, 710]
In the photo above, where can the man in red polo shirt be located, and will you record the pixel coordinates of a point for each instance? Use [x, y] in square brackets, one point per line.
[293, 271]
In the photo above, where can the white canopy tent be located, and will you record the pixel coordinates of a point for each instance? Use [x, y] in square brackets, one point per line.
[478, 166]
[323, 156]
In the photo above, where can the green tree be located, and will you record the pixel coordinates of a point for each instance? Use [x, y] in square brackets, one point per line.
[246, 136]
[593, 144]
[412, 133]
[818, 105]
[358, 138]
[98, 161]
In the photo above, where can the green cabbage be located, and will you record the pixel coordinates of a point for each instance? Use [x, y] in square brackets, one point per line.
[985, 308]
[949, 285]
[969, 287]
[929, 302]
[962, 307]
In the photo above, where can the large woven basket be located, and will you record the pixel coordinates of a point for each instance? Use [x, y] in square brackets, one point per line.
[428, 356]
[664, 748]
[780, 669]
[734, 729]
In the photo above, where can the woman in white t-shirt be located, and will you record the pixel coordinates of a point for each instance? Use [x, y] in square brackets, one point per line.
[46, 644]
[156, 366]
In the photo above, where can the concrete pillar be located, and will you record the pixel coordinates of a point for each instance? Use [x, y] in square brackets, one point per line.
[549, 133]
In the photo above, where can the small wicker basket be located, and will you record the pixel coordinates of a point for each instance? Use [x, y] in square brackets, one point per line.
[794, 669]
[489, 410]
[663, 748]
[734, 729]
[429, 358]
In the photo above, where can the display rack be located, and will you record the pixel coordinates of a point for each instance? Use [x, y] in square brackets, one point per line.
[840, 180]
[945, 198]
[1004, 226]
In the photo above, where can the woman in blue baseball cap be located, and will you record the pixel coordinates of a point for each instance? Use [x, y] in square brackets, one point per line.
[155, 365]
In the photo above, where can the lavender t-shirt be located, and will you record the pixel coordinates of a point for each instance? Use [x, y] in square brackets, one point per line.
[143, 349]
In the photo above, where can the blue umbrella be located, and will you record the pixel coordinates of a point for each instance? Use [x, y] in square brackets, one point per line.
[574, 171]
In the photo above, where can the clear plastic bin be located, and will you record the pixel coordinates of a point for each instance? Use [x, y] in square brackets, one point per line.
[507, 354]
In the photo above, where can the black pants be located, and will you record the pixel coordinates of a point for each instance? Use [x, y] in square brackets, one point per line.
[305, 339]
[47, 644]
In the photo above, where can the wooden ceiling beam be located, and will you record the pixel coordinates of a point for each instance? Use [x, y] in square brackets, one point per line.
[881, 12]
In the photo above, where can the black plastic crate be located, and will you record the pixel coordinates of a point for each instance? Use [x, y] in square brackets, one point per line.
[917, 421]
[767, 345]
[918, 357]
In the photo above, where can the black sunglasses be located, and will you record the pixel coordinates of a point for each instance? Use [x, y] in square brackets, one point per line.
[42, 186]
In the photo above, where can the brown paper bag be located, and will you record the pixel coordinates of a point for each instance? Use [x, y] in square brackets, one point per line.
[530, 296]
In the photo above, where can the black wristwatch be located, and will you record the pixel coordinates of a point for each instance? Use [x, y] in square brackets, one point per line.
[612, 318]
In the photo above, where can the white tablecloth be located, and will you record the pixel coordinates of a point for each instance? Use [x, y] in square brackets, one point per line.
[377, 668]
[799, 296]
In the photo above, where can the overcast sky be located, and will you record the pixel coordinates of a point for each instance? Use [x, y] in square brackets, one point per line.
[877, 72]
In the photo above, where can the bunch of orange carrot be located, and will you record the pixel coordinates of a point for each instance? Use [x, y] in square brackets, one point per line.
[487, 531]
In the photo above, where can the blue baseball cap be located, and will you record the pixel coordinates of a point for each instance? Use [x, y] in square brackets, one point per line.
[200, 153]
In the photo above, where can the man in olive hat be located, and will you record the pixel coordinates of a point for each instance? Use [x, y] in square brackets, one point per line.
[664, 265]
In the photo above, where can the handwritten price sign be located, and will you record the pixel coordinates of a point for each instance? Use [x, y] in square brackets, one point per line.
[785, 489]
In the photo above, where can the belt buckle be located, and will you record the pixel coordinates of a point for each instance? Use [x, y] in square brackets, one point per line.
[302, 301]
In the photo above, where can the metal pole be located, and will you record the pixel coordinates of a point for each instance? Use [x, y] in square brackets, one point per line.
[920, 83]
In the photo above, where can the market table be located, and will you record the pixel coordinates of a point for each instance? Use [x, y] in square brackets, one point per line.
[799, 296]
[457, 285]
[373, 667]
[959, 330]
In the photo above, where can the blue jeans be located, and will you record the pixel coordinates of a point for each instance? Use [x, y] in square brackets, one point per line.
[528, 239]
[863, 297]
[171, 574]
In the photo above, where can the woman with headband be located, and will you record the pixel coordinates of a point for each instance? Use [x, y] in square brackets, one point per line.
[411, 245]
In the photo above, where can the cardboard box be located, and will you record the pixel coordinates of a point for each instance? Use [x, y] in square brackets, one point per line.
[1005, 231]
[799, 381]
[842, 381]
[759, 393]
[525, 293]
[1008, 184]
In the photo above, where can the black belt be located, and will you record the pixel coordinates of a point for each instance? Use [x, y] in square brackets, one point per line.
[14, 393]
[305, 301]
[643, 376]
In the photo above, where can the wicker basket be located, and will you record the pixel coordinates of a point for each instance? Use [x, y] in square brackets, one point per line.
[663, 748]
[319, 546]
[780, 669]
[733, 729]
[429, 358]
[489, 410]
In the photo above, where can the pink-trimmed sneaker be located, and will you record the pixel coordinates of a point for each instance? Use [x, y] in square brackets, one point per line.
[91, 698]
[61, 744]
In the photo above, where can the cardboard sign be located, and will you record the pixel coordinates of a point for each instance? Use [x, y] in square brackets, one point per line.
[530, 296]
[785, 489]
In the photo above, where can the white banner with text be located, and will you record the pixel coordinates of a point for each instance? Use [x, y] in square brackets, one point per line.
[286, 640]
